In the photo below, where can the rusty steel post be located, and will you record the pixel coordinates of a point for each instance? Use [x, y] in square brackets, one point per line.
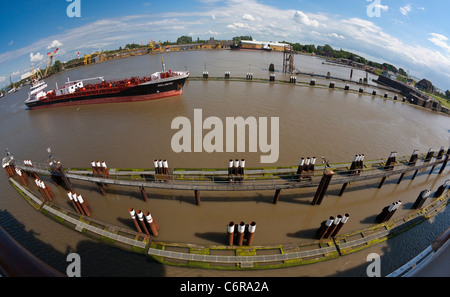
[444, 164]
[401, 177]
[442, 188]
[151, 224]
[143, 193]
[75, 206]
[84, 205]
[421, 199]
[413, 159]
[133, 217]
[241, 233]
[77, 202]
[38, 184]
[324, 227]
[341, 224]
[141, 221]
[333, 226]
[100, 187]
[251, 233]
[230, 233]
[156, 165]
[277, 196]
[396, 206]
[322, 188]
[48, 191]
[341, 192]
[382, 182]
[197, 197]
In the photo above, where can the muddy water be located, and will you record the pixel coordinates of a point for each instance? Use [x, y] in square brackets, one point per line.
[313, 122]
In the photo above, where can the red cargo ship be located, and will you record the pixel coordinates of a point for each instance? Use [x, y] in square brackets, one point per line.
[79, 92]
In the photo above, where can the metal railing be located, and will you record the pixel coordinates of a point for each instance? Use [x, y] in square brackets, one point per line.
[252, 180]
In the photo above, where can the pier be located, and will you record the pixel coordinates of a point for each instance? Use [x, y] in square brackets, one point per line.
[233, 257]
[252, 179]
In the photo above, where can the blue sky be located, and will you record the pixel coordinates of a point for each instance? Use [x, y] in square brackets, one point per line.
[409, 34]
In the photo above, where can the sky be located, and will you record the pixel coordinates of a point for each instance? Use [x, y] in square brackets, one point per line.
[410, 34]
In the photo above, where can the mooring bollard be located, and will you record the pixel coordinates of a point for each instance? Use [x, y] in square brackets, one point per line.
[293, 79]
[241, 233]
[332, 85]
[133, 217]
[249, 76]
[227, 74]
[324, 227]
[251, 233]
[312, 82]
[347, 88]
[421, 199]
[272, 77]
[230, 233]
[442, 188]
[205, 74]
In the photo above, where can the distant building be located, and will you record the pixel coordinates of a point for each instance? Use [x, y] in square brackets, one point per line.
[425, 85]
[262, 45]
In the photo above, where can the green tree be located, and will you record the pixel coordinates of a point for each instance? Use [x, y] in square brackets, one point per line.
[184, 39]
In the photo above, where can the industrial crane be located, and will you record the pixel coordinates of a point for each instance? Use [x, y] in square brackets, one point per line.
[50, 60]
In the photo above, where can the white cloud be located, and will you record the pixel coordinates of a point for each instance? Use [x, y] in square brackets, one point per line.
[304, 19]
[335, 35]
[10, 43]
[405, 9]
[248, 17]
[34, 58]
[440, 40]
[55, 43]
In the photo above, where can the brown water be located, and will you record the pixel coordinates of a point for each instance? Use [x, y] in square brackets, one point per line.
[313, 122]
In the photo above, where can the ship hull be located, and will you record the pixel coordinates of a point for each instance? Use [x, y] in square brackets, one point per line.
[144, 92]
